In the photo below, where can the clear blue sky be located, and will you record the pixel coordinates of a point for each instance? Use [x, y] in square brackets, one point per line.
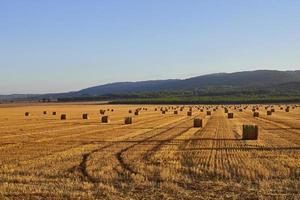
[63, 45]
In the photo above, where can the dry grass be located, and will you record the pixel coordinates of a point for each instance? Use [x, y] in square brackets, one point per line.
[156, 157]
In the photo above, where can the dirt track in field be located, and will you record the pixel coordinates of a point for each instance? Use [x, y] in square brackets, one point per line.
[159, 156]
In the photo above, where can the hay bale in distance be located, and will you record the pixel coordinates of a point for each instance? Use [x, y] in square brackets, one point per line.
[189, 113]
[85, 116]
[104, 119]
[63, 116]
[250, 132]
[136, 112]
[175, 112]
[269, 112]
[128, 120]
[287, 110]
[102, 112]
[130, 111]
[230, 115]
[45, 112]
[208, 112]
[27, 114]
[198, 122]
[256, 114]
[53, 113]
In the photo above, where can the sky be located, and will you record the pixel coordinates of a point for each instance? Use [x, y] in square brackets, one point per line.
[67, 45]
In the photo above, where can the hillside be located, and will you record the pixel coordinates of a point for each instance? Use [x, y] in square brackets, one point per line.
[254, 83]
[124, 87]
[249, 79]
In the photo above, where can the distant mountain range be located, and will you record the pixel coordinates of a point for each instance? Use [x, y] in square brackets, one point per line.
[254, 80]
[260, 78]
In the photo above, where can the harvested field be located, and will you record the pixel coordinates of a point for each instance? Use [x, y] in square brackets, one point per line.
[156, 157]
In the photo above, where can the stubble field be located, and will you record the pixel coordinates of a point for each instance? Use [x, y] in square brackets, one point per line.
[158, 156]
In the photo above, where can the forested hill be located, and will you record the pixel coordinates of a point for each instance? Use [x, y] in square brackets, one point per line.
[247, 79]
[238, 84]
